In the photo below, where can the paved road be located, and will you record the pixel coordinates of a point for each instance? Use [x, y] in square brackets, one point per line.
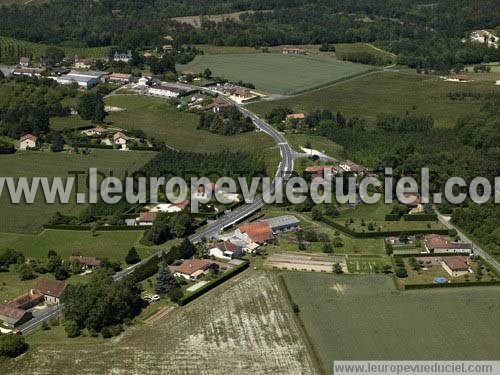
[47, 314]
[285, 169]
[477, 250]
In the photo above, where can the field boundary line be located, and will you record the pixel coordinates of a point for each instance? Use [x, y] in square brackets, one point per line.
[299, 323]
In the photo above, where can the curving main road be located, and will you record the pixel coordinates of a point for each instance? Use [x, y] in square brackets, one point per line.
[285, 169]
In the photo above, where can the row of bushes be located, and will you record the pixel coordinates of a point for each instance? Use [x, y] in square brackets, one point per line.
[101, 228]
[452, 285]
[420, 217]
[226, 276]
[353, 233]
[392, 217]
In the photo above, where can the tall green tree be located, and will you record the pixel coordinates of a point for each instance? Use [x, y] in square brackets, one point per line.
[165, 281]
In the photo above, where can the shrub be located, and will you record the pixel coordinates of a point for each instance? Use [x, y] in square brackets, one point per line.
[106, 333]
[71, 328]
[45, 326]
[11, 346]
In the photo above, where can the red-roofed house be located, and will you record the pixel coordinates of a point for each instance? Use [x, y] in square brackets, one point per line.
[52, 290]
[295, 116]
[259, 232]
[28, 141]
[456, 265]
[193, 269]
[147, 218]
[435, 243]
[86, 262]
[26, 301]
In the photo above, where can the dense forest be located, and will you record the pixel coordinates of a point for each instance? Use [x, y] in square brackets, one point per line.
[423, 35]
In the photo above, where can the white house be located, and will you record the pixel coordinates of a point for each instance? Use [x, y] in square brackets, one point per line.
[94, 131]
[24, 62]
[142, 82]
[226, 250]
[52, 290]
[120, 139]
[28, 141]
[124, 57]
[120, 77]
[83, 63]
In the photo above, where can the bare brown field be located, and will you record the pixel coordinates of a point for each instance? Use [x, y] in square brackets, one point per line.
[245, 326]
[305, 262]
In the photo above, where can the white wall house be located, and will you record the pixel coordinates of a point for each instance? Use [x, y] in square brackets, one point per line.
[165, 91]
[28, 141]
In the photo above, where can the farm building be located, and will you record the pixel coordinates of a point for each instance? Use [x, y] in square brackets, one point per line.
[193, 269]
[169, 91]
[52, 290]
[85, 79]
[30, 72]
[27, 301]
[321, 170]
[284, 223]
[226, 250]
[120, 77]
[259, 233]
[435, 243]
[12, 316]
[95, 131]
[456, 265]
[28, 141]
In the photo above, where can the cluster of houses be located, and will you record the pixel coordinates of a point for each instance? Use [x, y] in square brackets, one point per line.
[293, 51]
[318, 171]
[248, 238]
[147, 218]
[21, 309]
[484, 36]
[117, 139]
[236, 93]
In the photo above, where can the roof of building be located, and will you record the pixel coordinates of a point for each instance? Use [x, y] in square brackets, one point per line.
[120, 75]
[319, 168]
[220, 102]
[282, 221]
[29, 136]
[436, 241]
[296, 116]
[258, 232]
[190, 266]
[147, 217]
[456, 263]
[176, 89]
[88, 261]
[12, 314]
[50, 287]
[24, 59]
[182, 205]
[24, 299]
[119, 135]
[227, 246]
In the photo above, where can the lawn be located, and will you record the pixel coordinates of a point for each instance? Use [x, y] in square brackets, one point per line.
[68, 122]
[318, 143]
[365, 318]
[198, 336]
[159, 119]
[274, 72]
[388, 92]
[367, 264]
[29, 218]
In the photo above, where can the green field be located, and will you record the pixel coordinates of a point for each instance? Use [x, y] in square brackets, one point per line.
[389, 92]
[364, 317]
[367, 264]
[318, 143]
[107, 244]
[161, 120]
[36, 50]
[274, 72]
[28, 218]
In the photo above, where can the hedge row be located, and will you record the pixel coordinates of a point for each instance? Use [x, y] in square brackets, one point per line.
[101, 228]
[420, 217]
[229, 274]
[352, 233]
[452, 285]
[392, 217]
[93, 145]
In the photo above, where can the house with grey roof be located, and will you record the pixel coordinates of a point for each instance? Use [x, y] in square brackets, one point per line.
[284, 223]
